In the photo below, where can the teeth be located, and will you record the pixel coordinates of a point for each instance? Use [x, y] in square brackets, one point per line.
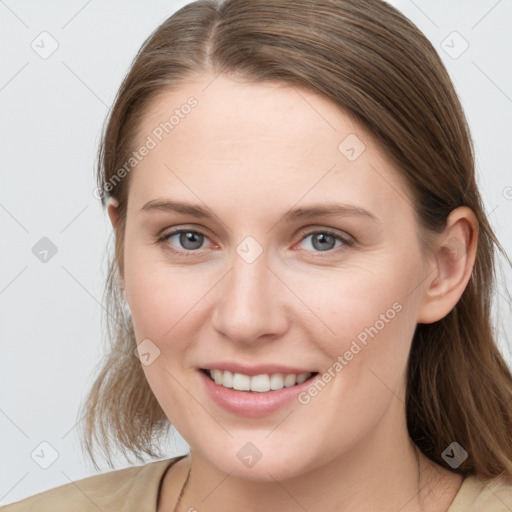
[289, 380]
[240, 382]
[258, 383]
[276, 381]
[302, 377]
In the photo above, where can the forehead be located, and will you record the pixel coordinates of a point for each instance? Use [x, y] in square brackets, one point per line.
[260, 142]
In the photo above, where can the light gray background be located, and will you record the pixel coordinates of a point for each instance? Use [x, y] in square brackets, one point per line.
[52, 111]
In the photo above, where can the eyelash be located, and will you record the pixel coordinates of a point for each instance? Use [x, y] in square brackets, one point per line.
[162, 240]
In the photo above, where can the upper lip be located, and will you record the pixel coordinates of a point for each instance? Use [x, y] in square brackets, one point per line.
[259, 369]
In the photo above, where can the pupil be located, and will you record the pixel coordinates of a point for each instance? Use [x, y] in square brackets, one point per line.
[190, 237]
[322, 238]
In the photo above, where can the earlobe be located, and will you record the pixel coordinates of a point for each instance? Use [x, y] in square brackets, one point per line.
[112, 211]
[454, 259]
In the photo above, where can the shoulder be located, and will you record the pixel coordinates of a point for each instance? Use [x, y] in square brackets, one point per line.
[480, 495]
[132, 488]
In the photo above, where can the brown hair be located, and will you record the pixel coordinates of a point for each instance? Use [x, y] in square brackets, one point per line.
[375, 64]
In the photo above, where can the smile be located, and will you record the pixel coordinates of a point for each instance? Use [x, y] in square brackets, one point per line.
[259, 383]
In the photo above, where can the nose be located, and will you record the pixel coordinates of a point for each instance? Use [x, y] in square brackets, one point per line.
[250, 305]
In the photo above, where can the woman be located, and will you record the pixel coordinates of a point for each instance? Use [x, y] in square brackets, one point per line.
[303, 273]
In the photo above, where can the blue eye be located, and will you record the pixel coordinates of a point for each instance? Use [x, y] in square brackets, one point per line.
[189, 239]
[323, 241]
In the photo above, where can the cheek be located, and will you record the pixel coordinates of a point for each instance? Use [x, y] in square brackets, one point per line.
[160, 296]
[373, 319]
[365, 316]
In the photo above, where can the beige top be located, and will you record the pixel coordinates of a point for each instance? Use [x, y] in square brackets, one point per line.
[136, 489]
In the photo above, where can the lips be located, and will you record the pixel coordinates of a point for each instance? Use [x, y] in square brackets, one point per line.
[251, 403]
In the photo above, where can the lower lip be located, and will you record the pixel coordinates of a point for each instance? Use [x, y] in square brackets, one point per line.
[252, 403]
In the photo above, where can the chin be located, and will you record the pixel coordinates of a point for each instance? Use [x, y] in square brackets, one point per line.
[266, 465]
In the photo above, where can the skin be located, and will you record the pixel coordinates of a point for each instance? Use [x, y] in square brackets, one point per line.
[250, 152]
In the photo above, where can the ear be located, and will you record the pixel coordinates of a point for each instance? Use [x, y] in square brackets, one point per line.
[454, 258]
[112, 211]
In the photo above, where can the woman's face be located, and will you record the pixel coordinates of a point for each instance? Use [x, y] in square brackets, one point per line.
[265, 277]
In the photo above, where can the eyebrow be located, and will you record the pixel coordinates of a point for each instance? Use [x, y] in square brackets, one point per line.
[316, 210]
